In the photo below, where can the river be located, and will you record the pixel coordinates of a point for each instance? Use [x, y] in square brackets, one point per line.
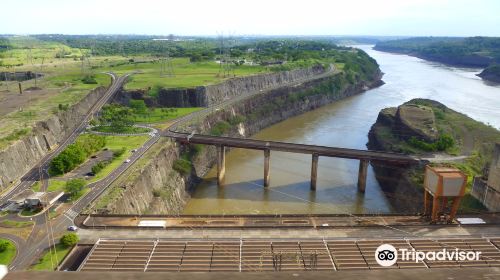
[342, 124]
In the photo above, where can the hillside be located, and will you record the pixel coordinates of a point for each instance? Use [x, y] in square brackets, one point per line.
[431, 130]
[491, 73]
[465, 52]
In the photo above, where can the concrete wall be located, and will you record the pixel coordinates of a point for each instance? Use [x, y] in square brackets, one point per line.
[494, 171]
[489, 196]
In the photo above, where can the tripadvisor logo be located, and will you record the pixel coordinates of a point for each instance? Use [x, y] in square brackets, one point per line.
[387, 255]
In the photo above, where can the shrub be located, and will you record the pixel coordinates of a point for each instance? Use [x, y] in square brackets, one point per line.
[74, 187]
[119, 153]
[69, 239]
[4, 244]
[154, 91]
[63, 107]
[220, 128]
[89, 79]
[182, 165]
[99, 166]
[443, 143]
[237, 119]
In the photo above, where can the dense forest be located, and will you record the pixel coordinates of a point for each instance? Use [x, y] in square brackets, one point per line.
[469, 52]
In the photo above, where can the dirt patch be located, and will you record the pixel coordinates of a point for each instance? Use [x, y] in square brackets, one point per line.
[12, 100]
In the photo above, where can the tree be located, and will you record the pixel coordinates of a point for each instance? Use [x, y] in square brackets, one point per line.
[139, 106]
[4, 244]
[69, 239]
[116, 116]
[75, 187]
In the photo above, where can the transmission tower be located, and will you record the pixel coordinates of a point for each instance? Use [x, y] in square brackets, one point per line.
[166, 68]
[226, 64]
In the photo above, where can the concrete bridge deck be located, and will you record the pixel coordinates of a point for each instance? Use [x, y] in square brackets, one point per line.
[364, 156]
[246, 143]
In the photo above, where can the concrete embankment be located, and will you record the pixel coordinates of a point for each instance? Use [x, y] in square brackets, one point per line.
[17, 158]
[162, 185]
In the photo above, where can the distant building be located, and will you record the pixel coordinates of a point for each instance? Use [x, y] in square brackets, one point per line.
[488, 190]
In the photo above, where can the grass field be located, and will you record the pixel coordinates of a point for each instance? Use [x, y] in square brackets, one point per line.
[186, 74]
[8, 255]
[50, 260]
[124, 129]
[117, 143]
[54, 185]
[15, 224]
[156, 115]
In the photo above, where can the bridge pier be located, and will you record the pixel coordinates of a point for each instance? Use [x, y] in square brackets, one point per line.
[267, 158]
[221, 165]
[314, 171]
[362, 174]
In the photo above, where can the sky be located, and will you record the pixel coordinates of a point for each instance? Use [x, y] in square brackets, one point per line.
[253, 17]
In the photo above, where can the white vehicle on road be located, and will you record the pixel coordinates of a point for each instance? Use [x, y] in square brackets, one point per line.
[127, 160]
[72, 228]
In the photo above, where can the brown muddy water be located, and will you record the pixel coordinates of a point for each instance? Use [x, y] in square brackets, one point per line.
[342, 124]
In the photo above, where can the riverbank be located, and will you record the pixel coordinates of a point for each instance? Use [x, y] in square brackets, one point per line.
[472, 52]
[165, 188]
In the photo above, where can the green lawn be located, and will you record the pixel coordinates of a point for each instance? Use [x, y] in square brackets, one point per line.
[186, 74]
[156, 115]
[50, 260]
[124, 129]
[8, 255]
[26, 212]
[15, 224]
[117, 143]
[54, 185]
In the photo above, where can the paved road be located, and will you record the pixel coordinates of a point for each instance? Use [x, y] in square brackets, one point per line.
[39, 240]
[40, 169]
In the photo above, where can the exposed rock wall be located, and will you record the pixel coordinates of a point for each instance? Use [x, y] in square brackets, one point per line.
[157, 189]
[204, 96]
[18, 158]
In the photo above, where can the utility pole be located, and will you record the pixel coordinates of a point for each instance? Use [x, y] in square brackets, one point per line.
[166, 68]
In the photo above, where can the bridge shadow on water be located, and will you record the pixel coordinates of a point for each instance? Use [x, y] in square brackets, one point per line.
[339, 198]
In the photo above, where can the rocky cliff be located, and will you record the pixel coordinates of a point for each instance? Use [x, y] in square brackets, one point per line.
[431, 130]
[204, 96]
[17, 158]
[151, 186]
[159, 187]
[491, 73]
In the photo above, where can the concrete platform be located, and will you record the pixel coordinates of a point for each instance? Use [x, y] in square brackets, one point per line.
[392, 274]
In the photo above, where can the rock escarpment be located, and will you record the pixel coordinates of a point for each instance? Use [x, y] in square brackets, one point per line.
[430, 130]
[204, 96]
[157, 189]
[152, 188]
[17, 158]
